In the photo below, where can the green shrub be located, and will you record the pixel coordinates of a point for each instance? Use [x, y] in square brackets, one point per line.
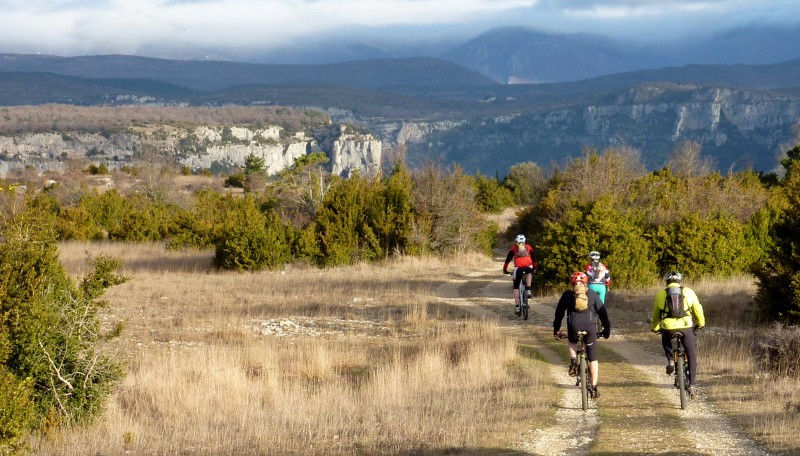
[17, 413]
[251, 240]
[565, 243]
[717, 246]
[490, 195]
[526, 182]
[778, 274]
[238, 180]
[77, 223]
[50, 326]
[342, 224]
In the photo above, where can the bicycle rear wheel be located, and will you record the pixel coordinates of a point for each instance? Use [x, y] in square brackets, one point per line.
[582, 371]
[681, 373]
[525, 305]
[523, 299]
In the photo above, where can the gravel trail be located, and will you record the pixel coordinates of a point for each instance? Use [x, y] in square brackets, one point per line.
[486, 294]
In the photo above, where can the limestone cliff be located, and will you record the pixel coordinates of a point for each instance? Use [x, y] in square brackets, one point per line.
[219, 149]
[737, 128]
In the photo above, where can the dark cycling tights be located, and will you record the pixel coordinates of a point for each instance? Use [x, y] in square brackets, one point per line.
[689, 341]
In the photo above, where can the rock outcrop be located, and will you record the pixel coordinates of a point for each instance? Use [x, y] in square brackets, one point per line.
[738, 129]
[219, 149]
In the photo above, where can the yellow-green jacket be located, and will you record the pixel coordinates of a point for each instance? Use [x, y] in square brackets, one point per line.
[694, 311]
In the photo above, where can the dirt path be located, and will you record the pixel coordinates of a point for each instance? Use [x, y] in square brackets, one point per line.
[644, 417]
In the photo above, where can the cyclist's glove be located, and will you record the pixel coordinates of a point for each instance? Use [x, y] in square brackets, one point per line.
[606, 333]
[698, 328]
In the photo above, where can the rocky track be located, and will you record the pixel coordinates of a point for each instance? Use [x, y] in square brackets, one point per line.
[640, 414]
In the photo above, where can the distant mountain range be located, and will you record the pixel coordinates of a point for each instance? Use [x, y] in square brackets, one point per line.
[592, 92]
[513, 55]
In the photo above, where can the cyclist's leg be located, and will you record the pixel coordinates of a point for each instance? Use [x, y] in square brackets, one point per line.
[528, 277]
[591, 352]
[600, 289]
[666, 342]
[690, 344]
[572, 338]
[516, 286]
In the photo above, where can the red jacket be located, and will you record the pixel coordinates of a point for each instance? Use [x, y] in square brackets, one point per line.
[522, 259]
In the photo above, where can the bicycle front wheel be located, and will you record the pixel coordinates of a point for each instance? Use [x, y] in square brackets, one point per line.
[582, 370]
[681, 373]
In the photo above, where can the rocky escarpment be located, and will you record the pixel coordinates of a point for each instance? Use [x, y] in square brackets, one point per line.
[214, 148]
[737, 128]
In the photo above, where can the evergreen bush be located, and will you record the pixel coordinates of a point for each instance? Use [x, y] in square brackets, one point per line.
[51, 337]
[778, 274]
[250, 239]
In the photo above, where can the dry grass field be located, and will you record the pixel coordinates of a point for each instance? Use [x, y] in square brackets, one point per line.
[357, 360]
[366, 360]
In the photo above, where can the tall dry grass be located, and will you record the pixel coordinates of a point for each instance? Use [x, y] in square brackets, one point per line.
[357, 360]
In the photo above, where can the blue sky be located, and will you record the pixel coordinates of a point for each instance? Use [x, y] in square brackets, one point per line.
[183, 27]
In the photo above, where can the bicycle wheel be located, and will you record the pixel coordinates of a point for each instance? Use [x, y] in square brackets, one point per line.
[681, 373]
[582, 370]
[523, 298]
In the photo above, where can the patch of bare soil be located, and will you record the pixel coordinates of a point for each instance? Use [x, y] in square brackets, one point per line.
[641, 417]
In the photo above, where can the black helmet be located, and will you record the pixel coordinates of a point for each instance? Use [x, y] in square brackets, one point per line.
[673, 277]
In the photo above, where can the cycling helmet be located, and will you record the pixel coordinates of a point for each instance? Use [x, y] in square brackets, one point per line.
[578, 277]
[594, 255]
[521, 238]
[673, 277]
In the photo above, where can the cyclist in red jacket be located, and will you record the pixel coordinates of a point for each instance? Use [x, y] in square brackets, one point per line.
[524, 265]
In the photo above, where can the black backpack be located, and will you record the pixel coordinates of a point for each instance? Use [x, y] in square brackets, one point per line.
[674, 305]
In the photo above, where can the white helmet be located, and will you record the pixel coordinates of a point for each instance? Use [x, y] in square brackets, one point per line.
[521, 238]
[673, 277]
[594, 255]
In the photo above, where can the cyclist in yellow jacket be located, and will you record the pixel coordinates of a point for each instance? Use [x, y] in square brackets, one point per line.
[685, 316]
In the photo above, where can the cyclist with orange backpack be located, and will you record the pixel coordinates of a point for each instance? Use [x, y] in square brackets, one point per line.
[583, 307]
[524, 258]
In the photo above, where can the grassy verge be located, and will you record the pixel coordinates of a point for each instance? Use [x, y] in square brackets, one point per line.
[358, 360]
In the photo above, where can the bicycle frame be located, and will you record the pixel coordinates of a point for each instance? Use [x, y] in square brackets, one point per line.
[524, 305]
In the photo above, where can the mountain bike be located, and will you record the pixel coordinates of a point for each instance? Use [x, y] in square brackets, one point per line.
[582, 379]
[681, 369]
[524, 305]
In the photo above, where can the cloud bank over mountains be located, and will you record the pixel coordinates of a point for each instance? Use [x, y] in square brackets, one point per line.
[230, 29]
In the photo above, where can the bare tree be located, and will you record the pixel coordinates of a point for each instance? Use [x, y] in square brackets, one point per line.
[687, 161]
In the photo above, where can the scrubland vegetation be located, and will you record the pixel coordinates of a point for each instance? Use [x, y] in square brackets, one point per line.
[66, 118]
[364, 249]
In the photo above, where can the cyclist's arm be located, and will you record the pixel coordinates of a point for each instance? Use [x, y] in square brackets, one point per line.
[561, 309]
[695, 308]
[658, 304]
[509, 257]
[532, 253]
